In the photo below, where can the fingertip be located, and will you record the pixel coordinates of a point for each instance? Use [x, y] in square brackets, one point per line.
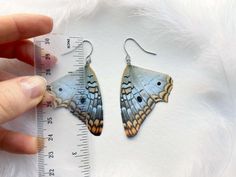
[33, 86]
[19, 95]
[18, 143]
[47, 99]
[35, 145]
[54, 60]
[48, 60]
[22, 26]
[25, 144]
[47, 23]
[40, 144]
[30, 146]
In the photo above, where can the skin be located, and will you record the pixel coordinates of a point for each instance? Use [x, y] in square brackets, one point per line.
[14, 32]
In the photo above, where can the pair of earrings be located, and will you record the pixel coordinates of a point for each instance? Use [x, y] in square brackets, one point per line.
[140, 90]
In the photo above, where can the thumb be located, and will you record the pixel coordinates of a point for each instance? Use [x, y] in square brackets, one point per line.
[19, 95]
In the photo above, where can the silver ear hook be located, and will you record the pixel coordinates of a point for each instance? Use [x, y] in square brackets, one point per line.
[88, 58]
[73, 49]
[128, 59]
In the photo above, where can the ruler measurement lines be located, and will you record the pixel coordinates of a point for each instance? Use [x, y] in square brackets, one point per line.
[63, 154]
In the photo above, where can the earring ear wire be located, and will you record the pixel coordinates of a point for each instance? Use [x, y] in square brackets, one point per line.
[88, 58]
[128, 58]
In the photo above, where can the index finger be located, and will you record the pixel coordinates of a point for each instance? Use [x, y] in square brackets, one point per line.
[21, 26]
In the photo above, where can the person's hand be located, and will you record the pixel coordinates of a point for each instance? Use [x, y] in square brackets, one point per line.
[17, 95]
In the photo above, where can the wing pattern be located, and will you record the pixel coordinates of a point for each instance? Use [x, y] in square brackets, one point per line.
[141, 89]
[90, 110]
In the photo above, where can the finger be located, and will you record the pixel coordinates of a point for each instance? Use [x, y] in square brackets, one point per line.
[19, 143]
[19, 95]
[22, 50]
[6, 76]
[48, 99]
[22, 26]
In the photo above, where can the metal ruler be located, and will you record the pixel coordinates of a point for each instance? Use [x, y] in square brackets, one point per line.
[66, 141]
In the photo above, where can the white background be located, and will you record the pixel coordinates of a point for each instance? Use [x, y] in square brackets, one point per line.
[190, 136]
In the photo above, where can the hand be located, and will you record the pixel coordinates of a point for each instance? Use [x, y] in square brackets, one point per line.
[17, 95]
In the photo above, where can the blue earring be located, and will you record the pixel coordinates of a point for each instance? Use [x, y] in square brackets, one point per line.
[140, 90]
[90, 111]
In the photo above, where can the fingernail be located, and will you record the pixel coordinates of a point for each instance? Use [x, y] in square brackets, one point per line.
[48, 59]
[54, 60]
[34, 86]
[40, 143]
[47, 99]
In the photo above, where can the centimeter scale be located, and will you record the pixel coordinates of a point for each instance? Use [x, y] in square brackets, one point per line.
[66, 141]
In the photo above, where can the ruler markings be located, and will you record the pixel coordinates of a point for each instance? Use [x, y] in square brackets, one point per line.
[48, 155]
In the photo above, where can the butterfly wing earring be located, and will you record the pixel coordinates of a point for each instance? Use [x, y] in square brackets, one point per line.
[86, 106]
[140, 90]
